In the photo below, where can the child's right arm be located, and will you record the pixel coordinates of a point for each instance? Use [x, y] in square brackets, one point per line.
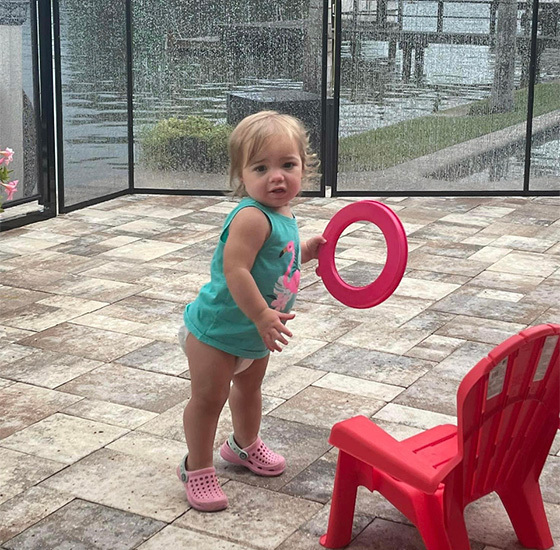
[248, 231]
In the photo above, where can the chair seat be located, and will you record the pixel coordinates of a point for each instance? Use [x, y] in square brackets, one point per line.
[436, 446]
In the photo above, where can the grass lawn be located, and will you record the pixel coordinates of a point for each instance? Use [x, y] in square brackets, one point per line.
[414, 138]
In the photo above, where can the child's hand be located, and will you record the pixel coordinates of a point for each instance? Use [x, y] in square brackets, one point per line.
[270, 324]
[311, 247]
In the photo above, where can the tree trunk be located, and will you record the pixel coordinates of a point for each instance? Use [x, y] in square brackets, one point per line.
[501, 100]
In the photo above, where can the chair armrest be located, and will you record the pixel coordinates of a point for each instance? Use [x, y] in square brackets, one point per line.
[363, 439]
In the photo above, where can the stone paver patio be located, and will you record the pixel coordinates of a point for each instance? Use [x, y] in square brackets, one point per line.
[92, 382]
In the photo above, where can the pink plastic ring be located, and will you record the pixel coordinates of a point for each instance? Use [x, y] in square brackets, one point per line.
[397, 253]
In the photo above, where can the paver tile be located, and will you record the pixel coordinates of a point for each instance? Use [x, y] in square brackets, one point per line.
[176, 537]
[323, 407]
[21, 471]
[131, 387]
[63, 438]
[27, 508]
[110, 413]
[272, 516]
[369, 365]
[83, 525]
[125, 482]
[47, 369]
[92, 343]
[22, 405]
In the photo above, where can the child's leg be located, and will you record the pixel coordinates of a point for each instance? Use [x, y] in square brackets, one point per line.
[211, 373]
[247, 448]
[245, 402]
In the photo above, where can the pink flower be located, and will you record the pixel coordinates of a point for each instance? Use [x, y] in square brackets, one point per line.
[6, 156]
[11, 188]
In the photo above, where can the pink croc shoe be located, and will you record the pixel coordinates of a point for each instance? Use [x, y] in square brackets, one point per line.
[203, 488]
[257, 457]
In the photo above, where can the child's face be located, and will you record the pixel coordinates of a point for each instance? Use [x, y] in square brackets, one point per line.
[273, 176]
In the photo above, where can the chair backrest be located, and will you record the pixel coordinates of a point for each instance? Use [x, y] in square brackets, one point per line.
[508, 407]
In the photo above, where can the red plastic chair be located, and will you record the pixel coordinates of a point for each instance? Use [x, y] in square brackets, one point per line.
[508, 408]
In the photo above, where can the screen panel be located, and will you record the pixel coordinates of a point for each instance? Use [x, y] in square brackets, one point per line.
[94, 89]
[433, 95]
[199, 68]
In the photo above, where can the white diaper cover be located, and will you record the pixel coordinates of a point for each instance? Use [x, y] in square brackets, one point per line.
[241, 364]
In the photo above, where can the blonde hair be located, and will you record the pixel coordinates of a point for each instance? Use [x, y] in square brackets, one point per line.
[253, 133]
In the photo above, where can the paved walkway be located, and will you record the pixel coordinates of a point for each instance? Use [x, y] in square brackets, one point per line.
[92, 383]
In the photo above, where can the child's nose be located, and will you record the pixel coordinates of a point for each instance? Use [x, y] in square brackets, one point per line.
[276, 175]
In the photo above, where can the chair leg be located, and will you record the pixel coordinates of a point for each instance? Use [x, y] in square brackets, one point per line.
[341, 518]
[525, 508]
[434, 531]
[434, 539]
[457, 530]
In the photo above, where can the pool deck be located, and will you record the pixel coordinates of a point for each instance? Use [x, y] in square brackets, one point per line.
[93, 384]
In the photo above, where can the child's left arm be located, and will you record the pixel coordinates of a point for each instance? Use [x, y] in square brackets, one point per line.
[310, 248]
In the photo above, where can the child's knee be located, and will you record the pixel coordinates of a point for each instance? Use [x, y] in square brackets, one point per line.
[211, 399]
[247, 382]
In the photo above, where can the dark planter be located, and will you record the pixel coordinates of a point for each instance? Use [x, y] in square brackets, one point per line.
[303, 105]
[13, 12]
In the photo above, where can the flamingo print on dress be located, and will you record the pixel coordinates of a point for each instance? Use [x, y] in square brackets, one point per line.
[286, 287]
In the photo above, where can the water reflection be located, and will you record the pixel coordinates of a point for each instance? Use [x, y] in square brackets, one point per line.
[544, 165]
[93, 68]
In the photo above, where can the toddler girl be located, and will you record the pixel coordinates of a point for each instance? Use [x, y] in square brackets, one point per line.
[240, 316]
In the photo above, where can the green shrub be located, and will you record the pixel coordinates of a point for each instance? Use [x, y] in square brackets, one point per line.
[192, 143]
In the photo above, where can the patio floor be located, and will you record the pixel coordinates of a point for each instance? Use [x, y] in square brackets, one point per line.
[93, 384]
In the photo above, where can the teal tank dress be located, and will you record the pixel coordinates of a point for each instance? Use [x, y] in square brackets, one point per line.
[215, 319]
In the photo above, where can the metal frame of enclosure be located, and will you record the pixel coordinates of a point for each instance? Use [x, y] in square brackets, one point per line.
[49, 32]
[531, 93]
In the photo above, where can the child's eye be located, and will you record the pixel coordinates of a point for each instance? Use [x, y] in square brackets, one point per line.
[260, 168]
[289, 164]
